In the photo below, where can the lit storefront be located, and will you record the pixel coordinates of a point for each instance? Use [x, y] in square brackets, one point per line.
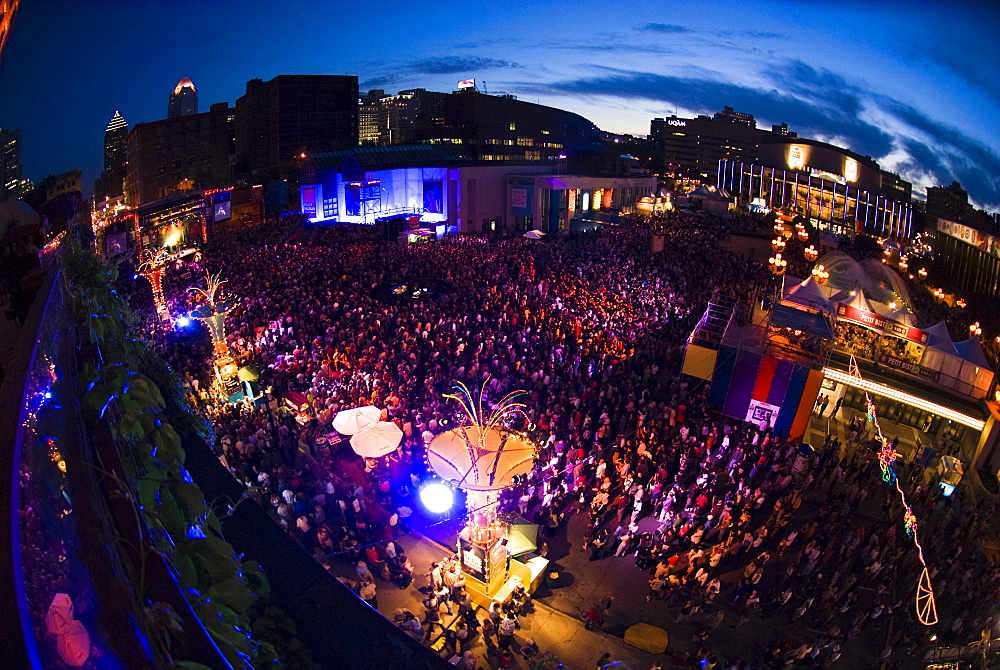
[552, 203]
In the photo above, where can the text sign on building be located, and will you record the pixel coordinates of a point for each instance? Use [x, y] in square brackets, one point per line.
[856, 315]
[796, 156]
[676, 122]
[521, 200]
[984, 242]
[850, 169]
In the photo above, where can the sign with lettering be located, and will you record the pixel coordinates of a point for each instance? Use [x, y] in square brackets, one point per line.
[676, 122]
[849, 313]
[984, 242]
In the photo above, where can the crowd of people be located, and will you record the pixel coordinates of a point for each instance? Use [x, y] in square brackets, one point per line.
[592, 328]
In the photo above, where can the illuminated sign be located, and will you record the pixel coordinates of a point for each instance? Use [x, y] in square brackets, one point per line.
[467, 83]
[850, 169]
[984, 242]
[796, 156]
[829, 176]
[676, 122]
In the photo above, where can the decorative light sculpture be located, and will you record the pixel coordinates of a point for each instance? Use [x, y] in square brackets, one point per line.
[778, 244]
[483, 456]
[778, 264]
[811, 253]
[975, 329]
[779, 228]
[820, 274]
[925, 602]
[903, 264]
[922, 273]
[213, 314]
[152, 267]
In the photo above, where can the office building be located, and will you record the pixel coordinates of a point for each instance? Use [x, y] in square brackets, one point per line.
[966, 245]
[277, 120]
[693, 147]
[368, 117]
[182, 153]
[11, 184]
[183, 100]
[499, 127]
[111, 182]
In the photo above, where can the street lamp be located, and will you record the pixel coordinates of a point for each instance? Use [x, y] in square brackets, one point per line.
[811, 253]
[778, 244]
[800, 232]
[778, 264]
[903, 264]
[922, 273]
[820, 274]
[975, 329]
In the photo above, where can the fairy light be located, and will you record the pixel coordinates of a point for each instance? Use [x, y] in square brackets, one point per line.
[925, 603]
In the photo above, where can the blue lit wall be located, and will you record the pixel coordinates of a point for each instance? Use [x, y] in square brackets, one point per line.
[380, 195]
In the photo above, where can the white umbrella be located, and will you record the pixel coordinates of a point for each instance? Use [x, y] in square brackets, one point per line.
[74, 645]
[377, 439]
[353, 421]
[60, 614]
[534, 234]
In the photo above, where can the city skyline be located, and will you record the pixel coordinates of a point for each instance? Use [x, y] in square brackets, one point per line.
[911, 89]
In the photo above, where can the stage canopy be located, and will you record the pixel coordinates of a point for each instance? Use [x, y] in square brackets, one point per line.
[784, 316]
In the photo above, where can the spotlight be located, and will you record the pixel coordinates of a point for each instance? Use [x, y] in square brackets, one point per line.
[182, 322]
[437, 498]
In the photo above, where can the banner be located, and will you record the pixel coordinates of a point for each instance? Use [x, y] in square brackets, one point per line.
[522, 200]
[982, 241]
[888, 326]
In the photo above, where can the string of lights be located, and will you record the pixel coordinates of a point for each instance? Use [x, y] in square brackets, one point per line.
[887, 455]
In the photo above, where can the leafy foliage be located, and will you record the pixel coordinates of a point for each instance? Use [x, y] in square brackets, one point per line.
[126, 390]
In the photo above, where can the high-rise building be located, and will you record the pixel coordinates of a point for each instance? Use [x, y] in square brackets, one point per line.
[115, 135]
[184, 100]
[694, 147]
[10, 164]
[196, 149]
[8, 8]
[111, 182]
[279, 119]
[368, 116]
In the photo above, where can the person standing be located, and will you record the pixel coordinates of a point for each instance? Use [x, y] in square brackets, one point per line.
[367, 593]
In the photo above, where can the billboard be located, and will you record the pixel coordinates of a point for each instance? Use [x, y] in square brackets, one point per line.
[522, 200]
[432, 196]
[222, 211]
[309, 200]
[467, 83]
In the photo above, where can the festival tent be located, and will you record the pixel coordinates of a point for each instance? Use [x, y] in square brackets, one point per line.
[939, 339]
[976, 370]
[808, 294]
[859, 301]
[902, 315]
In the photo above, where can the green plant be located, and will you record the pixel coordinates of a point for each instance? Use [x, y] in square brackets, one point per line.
[120, 384]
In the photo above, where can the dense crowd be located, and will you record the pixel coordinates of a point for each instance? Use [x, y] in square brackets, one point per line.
[592, 328]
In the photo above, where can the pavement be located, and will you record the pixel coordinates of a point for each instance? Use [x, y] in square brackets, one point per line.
[556, 627]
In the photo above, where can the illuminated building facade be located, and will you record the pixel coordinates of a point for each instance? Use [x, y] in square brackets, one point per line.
[11, 183]
[445, 191]
[833, 187]
[164, 154]
[183, 100]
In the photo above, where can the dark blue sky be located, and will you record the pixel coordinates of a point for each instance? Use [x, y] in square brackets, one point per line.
[911, 84]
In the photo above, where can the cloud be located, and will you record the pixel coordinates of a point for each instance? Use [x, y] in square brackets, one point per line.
[459, 64]
[377, 82]
[706, 95]
[666, 28]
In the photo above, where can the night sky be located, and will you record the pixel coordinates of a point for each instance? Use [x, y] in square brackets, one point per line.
[911, 84]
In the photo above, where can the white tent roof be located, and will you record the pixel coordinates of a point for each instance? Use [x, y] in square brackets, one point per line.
[902, 315]
[972, 351]
[939, 338]
[859, 301]
[808, 294]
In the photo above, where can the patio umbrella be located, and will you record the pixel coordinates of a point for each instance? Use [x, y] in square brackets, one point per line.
[353, 421]
[534, 234]
[60, 614]
[377, 439]
[74, 645]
